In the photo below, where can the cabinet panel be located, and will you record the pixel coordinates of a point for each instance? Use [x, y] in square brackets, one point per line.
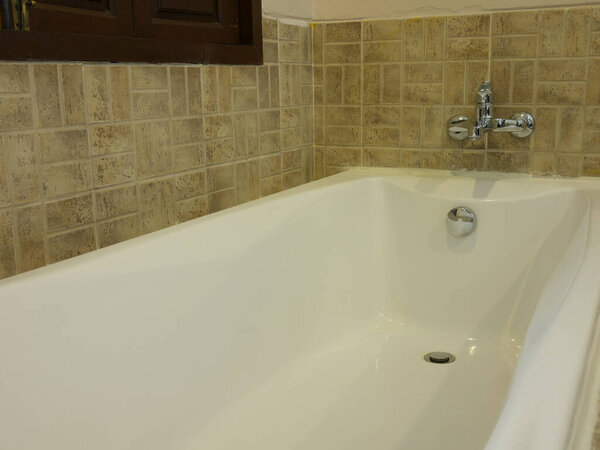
[152, 31]
[215, 21]
[207, 9]
[98, 17]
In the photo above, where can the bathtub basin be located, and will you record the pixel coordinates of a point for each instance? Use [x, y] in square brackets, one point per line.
[300, 321]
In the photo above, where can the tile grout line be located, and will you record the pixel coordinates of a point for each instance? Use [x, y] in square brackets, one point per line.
[585, 106]
[90, 157]
[39, 181]
[489, 63]
[137, 181]
[362, 92]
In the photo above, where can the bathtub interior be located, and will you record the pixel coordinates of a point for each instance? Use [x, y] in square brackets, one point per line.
[486, 285]
[302, 330]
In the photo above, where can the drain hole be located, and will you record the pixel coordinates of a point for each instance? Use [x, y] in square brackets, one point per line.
[439, 358]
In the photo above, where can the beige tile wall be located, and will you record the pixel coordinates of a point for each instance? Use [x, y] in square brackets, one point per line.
[384, 91]
[91, 155]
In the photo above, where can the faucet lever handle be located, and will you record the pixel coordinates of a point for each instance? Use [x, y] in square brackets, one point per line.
[460, 128]
[485, 92]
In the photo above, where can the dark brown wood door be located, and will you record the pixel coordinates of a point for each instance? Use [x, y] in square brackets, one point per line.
[189, 20]
[91, 17]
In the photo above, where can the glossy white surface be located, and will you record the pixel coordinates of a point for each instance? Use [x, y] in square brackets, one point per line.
[300, 321]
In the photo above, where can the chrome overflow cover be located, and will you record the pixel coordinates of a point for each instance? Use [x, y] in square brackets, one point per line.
[461, 221]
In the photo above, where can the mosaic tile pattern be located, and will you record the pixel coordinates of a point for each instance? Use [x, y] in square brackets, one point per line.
[417, 73]
[92, 155]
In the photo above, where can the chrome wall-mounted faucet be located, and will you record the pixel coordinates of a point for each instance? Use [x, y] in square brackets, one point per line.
[461, 127]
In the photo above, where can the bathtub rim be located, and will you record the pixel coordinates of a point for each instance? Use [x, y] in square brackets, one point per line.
[351, 174]
[585, 418]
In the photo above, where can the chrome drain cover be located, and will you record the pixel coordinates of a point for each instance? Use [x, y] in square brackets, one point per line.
[439, 358]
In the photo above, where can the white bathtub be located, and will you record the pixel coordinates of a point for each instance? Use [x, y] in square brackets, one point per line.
[300, 321]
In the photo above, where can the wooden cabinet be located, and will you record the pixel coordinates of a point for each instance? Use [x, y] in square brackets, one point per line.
[198, 31]
[99, 17]
[188, 20]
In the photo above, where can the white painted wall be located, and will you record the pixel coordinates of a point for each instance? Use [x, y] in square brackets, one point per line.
[360, 9]
[297, 9]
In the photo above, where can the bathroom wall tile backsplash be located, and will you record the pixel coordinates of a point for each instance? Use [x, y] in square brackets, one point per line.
[94, 154]
[417, 73]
